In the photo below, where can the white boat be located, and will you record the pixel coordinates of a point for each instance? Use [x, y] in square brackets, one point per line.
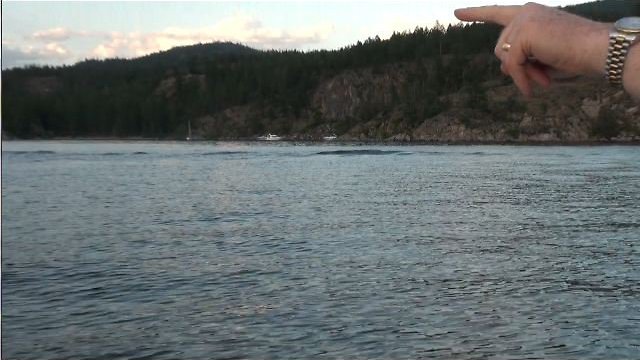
[189, 131]
[270, 137]
[330, 137]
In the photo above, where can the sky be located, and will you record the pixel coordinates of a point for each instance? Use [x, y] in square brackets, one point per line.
[61, 32]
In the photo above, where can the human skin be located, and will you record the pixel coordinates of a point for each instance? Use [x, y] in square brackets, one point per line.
[545, 39]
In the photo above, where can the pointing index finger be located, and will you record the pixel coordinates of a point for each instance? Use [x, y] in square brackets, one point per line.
[496, 14]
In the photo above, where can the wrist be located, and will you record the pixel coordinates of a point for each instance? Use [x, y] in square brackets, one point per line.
[597, 49]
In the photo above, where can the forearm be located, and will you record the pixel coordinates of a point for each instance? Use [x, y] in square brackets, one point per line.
[631, 79]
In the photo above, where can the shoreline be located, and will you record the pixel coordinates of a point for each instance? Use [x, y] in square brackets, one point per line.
[348, 142]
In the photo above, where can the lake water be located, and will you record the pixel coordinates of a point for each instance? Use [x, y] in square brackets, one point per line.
[145, 250]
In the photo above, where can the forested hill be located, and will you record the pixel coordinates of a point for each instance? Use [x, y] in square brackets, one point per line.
[437, 84]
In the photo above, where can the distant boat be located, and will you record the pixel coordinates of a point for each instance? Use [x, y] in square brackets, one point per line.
[189, 131]
[270, 137]
[330, 137]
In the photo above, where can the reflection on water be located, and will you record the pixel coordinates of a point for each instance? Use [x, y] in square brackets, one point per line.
[230, 250]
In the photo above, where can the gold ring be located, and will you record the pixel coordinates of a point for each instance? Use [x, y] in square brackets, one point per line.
[506, 47]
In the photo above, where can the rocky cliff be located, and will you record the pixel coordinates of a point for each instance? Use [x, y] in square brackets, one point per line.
[370, 105]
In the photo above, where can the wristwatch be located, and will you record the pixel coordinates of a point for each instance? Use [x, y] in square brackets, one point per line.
[625, 33]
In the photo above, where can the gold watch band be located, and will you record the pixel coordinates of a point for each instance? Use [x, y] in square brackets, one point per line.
[618, 48]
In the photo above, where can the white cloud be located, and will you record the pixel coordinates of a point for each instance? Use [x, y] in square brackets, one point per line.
[54, 50]
[242, 28]
[104, 51]
[55, 34]
[59, 34]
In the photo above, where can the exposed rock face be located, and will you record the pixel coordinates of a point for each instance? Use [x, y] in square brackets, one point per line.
[225, 124]
[369, 105]
[353, 94]
[169, 86]
[591, 108]
[569, 112]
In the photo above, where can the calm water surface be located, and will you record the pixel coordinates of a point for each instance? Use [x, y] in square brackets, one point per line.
[118, 250]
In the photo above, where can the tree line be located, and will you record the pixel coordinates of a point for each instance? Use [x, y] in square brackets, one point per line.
[155, 95]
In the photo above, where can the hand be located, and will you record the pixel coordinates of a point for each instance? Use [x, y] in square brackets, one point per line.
[543, 39]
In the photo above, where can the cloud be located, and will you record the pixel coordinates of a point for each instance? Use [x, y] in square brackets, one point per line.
[58, 34]
[55, 34]
[50, 53]
[54, 50]
[242, 28]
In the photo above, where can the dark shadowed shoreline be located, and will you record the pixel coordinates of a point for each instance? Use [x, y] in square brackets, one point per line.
[631, 142]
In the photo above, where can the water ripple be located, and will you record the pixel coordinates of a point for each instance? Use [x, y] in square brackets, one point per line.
[251, 251]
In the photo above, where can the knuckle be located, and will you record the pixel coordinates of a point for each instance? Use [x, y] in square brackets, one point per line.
[528, 20]
[512, 62]
[532, 5]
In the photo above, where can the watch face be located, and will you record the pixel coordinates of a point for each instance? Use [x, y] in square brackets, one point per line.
[629, 24]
